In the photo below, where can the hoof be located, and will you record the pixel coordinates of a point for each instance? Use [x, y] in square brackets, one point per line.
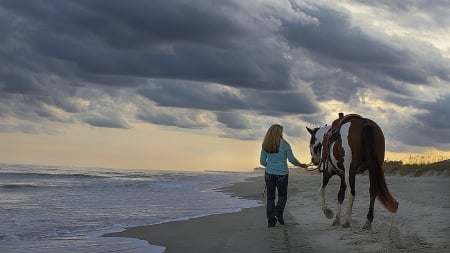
[346, 224]
[328, 213]
[336, 223]
[367, 226]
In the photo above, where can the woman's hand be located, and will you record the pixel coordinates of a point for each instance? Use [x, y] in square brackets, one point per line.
[303, 165]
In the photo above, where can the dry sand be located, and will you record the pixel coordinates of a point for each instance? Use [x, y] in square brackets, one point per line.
[421, 224]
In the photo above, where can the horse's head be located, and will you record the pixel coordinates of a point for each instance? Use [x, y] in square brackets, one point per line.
[315, 143]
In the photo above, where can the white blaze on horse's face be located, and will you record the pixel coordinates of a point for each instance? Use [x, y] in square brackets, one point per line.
[315, 147]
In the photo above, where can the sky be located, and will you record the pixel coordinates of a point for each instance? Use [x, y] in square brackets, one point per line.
[194, 84]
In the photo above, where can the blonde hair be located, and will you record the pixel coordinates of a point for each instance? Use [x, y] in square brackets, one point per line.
[271, 143]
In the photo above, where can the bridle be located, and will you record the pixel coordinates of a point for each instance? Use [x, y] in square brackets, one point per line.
[317, 149]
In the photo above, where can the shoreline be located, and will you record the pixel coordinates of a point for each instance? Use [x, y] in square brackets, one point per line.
[241, 231]
[421, 223]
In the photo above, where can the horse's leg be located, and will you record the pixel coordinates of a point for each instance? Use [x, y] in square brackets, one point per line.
[350, 177]
[341, 196]
[373, 195]
[325, 176]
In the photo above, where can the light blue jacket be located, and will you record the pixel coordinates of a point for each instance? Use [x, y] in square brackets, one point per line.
[276, 163]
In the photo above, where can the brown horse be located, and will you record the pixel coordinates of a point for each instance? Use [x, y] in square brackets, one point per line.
[350, 146]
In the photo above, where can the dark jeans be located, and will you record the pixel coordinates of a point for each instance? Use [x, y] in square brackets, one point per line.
[280, 183]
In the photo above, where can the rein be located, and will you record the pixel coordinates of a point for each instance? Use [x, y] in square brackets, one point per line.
[325, 168]
[329, 138]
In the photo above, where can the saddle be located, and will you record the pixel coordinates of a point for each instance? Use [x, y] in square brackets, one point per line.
[332, 135]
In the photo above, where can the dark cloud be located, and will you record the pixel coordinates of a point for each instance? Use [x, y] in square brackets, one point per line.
[335, 42]
[420, 134]
[108, 122]
[233, 120]
[428, 126]
[221, 98]
[176, 39]
[226, 64]
[22, 84]
[192, 95]
[437, 115]
[178, 118]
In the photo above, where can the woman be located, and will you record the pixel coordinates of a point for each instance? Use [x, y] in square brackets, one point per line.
[274, 153]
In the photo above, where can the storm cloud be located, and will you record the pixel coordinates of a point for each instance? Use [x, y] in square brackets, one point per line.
[224, 64]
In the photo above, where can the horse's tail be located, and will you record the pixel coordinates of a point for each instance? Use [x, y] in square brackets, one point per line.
[376, 173]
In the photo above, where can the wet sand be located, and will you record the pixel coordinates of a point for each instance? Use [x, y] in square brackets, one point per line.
[421, 224]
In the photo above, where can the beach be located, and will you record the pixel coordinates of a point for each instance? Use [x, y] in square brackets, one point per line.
[421, 224]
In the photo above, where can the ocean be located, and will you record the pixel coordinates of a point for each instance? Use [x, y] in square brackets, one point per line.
[66, 209]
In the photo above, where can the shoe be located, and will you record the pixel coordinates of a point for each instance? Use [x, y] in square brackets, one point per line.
[272, 222]
[280, 220]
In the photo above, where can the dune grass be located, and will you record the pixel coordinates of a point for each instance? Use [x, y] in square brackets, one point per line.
[417, 169]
